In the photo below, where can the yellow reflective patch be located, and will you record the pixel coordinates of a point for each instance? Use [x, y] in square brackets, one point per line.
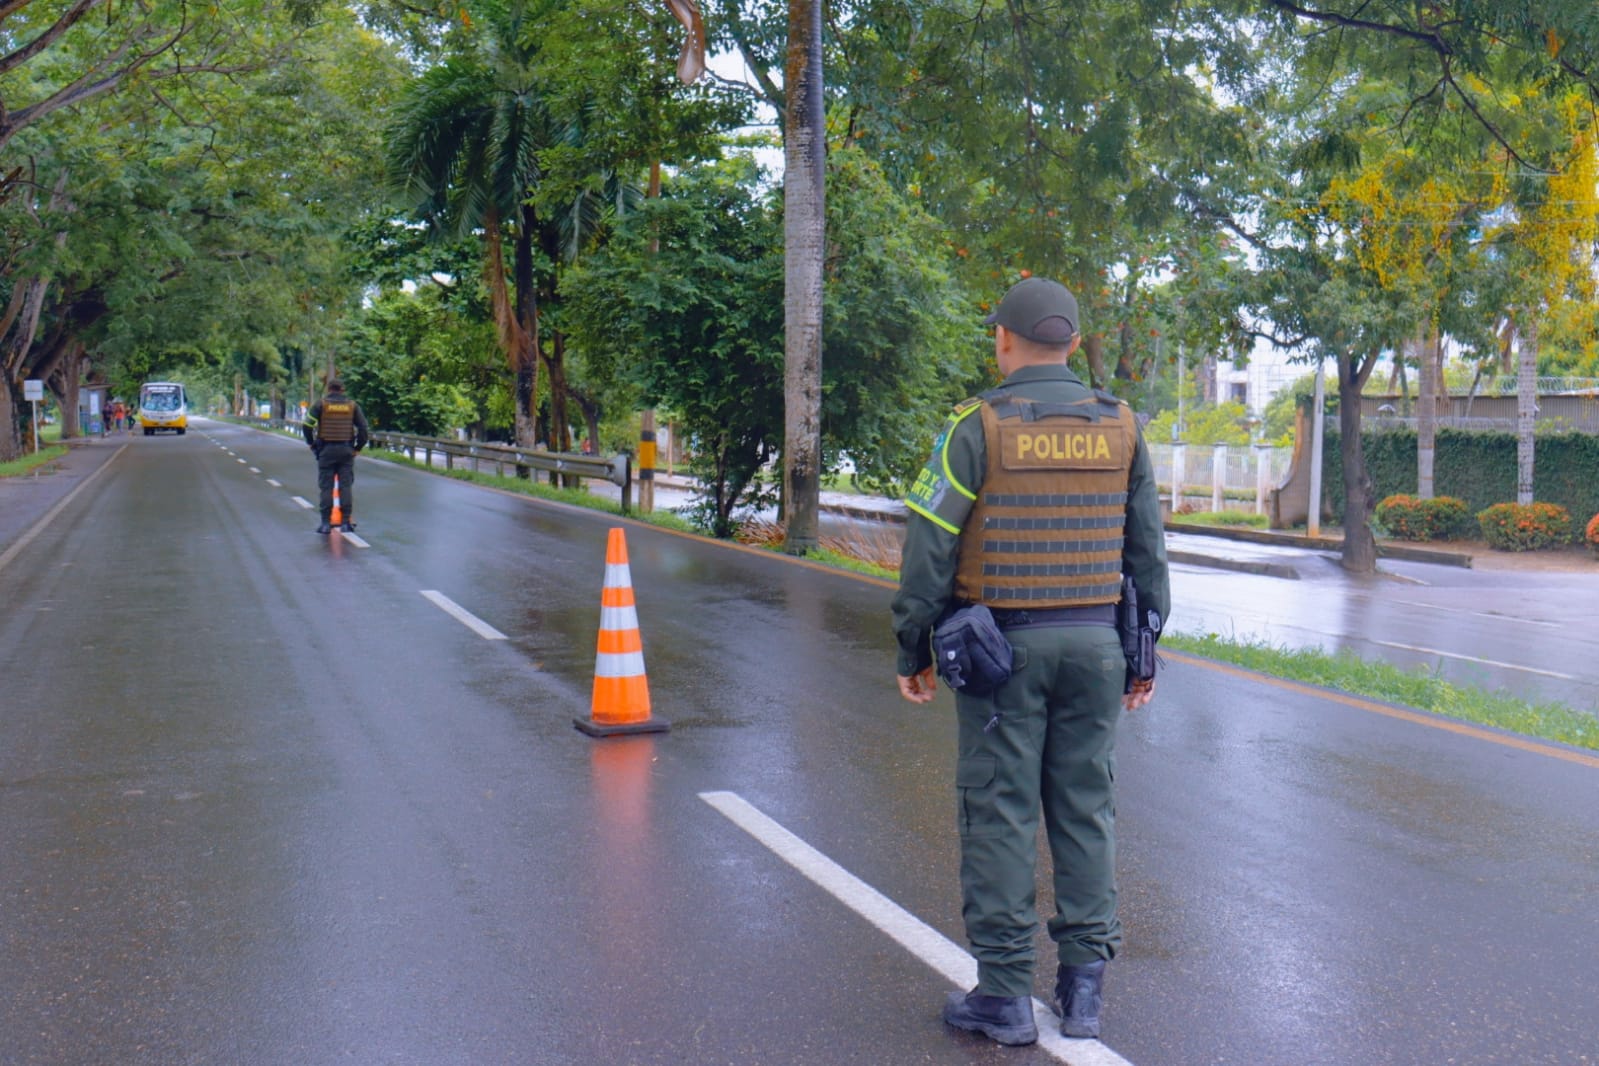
[1062, 448]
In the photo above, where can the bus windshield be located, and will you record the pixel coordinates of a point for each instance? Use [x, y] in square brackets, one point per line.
[161, 397]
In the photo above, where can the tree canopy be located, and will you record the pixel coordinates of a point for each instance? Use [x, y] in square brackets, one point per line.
[512, 217]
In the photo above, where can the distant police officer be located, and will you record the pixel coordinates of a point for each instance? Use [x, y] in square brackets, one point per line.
[336, 429]
[1038, 497]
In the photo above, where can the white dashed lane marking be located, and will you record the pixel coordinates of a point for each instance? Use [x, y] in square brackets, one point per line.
[915, 935]
[462, 615]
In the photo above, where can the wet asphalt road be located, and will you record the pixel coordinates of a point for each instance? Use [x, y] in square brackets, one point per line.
[1528, 634]
[263, 802]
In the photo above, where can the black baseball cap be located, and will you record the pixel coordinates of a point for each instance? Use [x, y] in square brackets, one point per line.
[1038, 309]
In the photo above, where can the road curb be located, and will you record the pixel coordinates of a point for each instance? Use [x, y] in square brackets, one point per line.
[1242, 566]
[1402, 552]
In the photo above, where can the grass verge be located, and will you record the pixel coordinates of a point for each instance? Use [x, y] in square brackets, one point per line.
[29, 463]
[1425, 691]
[1222, 518]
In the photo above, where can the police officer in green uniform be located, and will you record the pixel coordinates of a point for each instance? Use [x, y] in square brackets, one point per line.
[1038, 497]
[336, 429]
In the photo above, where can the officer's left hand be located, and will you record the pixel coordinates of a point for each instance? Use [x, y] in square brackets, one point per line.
[919, 687]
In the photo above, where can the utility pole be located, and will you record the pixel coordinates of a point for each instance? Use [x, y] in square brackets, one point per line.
[1313, 519]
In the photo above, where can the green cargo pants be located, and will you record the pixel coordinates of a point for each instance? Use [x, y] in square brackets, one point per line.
[1053, 749]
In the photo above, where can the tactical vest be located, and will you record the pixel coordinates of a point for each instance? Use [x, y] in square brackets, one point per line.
[1046, 529]
[337, 424]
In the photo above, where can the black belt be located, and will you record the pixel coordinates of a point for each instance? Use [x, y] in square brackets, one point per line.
[1100, 614]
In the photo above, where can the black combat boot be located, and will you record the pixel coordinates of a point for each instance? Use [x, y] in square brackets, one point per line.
[347, 527]
[1007, 1019]
[324, 528]
[1078, 992]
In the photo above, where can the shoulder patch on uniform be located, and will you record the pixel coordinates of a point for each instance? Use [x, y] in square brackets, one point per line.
[1107, 397]
[967, 404]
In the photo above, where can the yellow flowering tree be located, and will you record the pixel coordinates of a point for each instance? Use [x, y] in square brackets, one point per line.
[1404, 218]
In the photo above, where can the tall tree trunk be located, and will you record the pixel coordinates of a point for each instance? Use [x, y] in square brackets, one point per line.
[515, 318]
[71, 394]
[11, 406]
[14, 360]
[527, 332]
[804, 238]
[1526, 404]
[23, 317]
[1427, 349]
[560, 429]
[1093, 349]
[1360, 545]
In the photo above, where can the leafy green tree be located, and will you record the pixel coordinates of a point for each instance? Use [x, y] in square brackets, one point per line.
[415, 366]
[1223, 423]
[900, 345]
[202, 222]
[685, 302]
[464, 155]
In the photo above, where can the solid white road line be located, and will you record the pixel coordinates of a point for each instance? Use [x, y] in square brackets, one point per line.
[38, 527]
[1475, 659]
[462, 615]
[302, 501]
[353, 539]
[916, 936]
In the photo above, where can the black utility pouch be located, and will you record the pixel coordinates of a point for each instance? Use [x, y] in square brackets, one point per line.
[971, 654]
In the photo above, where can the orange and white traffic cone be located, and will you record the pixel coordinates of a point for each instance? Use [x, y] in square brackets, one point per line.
[338, 514]
[621, 690]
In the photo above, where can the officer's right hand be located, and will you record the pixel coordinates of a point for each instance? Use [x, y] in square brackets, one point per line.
[919, 687]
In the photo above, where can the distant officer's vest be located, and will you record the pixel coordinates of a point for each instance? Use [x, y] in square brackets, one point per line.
[1046, 530]
[337, 424]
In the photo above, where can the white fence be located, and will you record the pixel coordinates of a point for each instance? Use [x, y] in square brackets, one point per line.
[1220, 477]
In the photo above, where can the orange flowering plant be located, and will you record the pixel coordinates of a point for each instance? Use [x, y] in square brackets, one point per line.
[1593, 534]
[1413, 518]
[1518, 527]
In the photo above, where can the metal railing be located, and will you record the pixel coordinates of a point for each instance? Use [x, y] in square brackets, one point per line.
[617, 469]
[1510, 385]
[1218, 473]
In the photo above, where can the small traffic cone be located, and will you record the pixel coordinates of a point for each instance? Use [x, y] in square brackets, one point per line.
[338, 513]
[621, 690]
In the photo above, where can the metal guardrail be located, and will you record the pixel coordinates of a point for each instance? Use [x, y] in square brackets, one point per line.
[618, 469]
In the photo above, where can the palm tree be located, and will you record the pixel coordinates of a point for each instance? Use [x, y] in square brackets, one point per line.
[464, 153]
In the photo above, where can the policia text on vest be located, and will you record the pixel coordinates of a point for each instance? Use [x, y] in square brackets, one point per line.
[335, 428]
[1039, 496]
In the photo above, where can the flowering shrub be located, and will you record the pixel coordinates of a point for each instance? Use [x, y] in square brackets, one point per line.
[1593, 534]
[1412, 518]
[1514, 527]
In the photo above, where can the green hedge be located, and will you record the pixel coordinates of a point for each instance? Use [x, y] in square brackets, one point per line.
[1477, 467]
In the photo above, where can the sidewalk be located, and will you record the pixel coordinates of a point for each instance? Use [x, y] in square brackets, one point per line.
[27, 498]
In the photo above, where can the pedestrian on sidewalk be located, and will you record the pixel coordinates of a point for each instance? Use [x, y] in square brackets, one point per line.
[1038, 497]
[336, 429]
